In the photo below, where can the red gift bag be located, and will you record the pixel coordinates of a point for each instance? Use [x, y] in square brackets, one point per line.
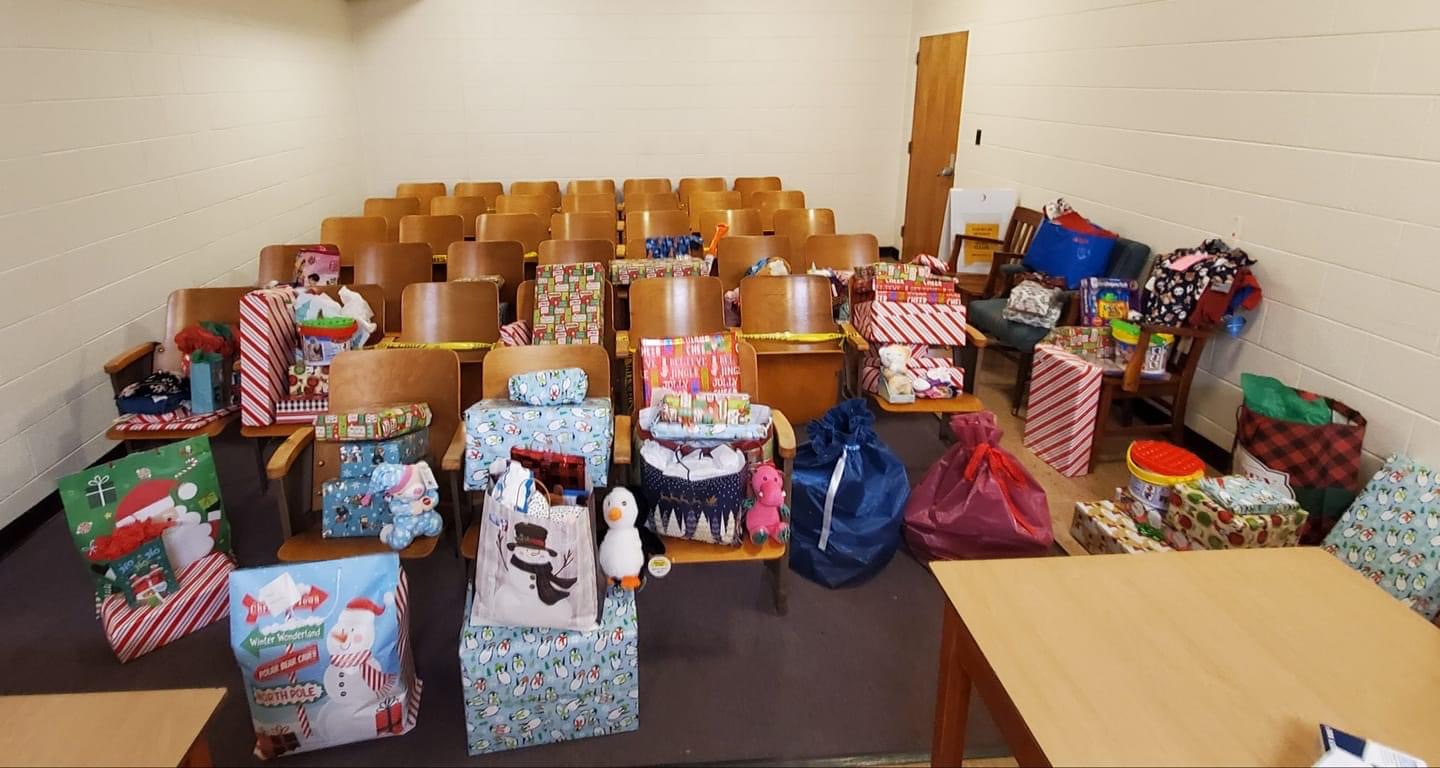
[977, 500]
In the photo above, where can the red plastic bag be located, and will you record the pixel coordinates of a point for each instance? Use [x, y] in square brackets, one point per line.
[977, 500]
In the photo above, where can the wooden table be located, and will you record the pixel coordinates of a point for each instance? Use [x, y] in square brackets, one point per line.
[1232, 657]
[115, 728]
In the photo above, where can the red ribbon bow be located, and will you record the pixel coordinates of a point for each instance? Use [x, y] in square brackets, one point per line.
[1005, 471]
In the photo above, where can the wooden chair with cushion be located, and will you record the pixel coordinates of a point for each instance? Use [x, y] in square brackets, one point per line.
[524, 228]
[359, 379]
[467, 208]
[640, 225]
[651, 201]
[588, 202]
[591, 186]
[454, 313]
[702, 200]
[277, 262]
[800, 377]
[550, 190]
[392, 266]
[799, 224]
[592, 225]
[424, 191]
[506, 258]
[740, 221]
[747, 186]
[838, 252]
[536, 205]
[490, 190]
[1024, 223]
[352, 233]
[770, 201]
[437, 232]
[737, 253]
[577, 252]
[688, 186]
[392, 210]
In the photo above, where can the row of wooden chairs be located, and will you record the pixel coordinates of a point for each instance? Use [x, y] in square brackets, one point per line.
[424, 191]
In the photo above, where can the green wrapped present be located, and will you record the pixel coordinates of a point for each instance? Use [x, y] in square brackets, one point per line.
[379, 422]
[1195, 521]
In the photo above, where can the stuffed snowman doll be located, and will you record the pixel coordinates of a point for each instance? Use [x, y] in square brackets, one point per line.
[354, 682]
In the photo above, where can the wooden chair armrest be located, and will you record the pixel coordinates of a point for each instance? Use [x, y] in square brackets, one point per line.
[853, 337]
[129, 357]
[454, 459]
[976, 337]
[979, 239]
[784, 434]
[622, 439]
[1175, 330]
[284, 457]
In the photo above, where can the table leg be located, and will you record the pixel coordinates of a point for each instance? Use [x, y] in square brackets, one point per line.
[952, 700]
[199, 754]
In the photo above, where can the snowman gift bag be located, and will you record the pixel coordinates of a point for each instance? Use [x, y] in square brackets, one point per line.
[152, 530]
[324, 648]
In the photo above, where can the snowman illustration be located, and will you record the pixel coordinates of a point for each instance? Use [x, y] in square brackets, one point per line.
[354, 682]
[530, 586]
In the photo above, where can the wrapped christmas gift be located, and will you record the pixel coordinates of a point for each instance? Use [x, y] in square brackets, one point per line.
[1103, 529]
[709, 363]
[349, 509]
[1195, 521]
[627, 271]
[358, 458]
[1064, 400]
[268, 340]
[568, 302]
[1243, 495]
[903, 322]
[939, 375]
[324, 649]
[1391, 534]
[894, 271]
[309, 380]
[492, 427]
[526, 687]
[373, 423]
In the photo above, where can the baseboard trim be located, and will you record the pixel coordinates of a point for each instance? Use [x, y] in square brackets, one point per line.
[23, 527]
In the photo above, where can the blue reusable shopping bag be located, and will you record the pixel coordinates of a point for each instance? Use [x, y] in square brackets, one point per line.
[849, 499]
[1070, 247]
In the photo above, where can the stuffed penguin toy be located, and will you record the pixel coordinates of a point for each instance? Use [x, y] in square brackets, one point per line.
[626, 546]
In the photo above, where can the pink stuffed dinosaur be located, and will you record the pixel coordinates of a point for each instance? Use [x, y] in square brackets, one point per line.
[767, 514]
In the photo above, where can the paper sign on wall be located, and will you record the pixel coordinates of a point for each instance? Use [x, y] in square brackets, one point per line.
[978, 251]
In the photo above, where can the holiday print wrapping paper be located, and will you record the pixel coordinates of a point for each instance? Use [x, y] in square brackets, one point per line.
[568, 302]
[1246, 496]
[919, 364]
[887, 322]
[692, 364]
[1103, 529]
[1391, 534]
[199, 600]
[309, 380]
[268, 340]
[556, 386]
[493, 427]
[1064, 401]
[894, 271]
[374, 423]
[1196, 521]
[525, 687]
[627, 271]
[349, 510]
[359, 458]
[324, 649]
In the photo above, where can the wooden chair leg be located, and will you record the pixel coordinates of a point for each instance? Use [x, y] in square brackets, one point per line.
[1023, 365]
[1101, 417]
[1177, 418]
[457, 521]
[260, 444]
[777, 570]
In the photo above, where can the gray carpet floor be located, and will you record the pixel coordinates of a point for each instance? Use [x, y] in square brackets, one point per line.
[848, 672]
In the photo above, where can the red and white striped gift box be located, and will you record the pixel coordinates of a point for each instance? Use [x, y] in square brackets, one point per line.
[917, 366]
[886, 322]
[202, 599]
[181, 418]
[268, 340]
[1064, 398]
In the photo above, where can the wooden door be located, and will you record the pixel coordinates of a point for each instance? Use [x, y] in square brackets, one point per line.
[939, 86]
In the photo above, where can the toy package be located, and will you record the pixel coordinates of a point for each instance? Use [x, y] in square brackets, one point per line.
[703, 408]
[1103, 299]
[324, 648]
[317, 265]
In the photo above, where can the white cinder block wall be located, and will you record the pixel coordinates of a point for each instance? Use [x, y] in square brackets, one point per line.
[146, 146]
[1315, 123]
[809, 90]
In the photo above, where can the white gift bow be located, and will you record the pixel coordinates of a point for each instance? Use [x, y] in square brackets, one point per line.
[836, 476]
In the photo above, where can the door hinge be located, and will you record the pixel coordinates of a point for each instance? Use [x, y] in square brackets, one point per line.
[917, 58]
[902, 230]
[909, 147]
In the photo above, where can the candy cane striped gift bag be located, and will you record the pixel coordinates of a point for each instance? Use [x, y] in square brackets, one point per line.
[1064, 399]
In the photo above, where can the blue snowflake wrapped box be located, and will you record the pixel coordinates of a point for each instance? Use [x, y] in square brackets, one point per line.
[525, 687]
[360, 458]
[493, 427]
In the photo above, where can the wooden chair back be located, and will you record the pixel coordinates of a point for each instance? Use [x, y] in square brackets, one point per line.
[643, 187]
[591, 186]
[689, 186]
[795, 303]
[536, 205]
[352, 233]
[373, 295]
[749, 185]
[1024, 223]
[737, 253]
[277, 262]
[839, 251]
[392, 266]
[524, 228]
[504, 362]
[675, 306]
[651, 201]
[702, 200]
[550, 190]
[800, 223]
[438, 232]
[467, 208]
[642, 224]
[525, 310]
[437, 312]
[768, 201]
[490, 190]
[471, 259]
[741, 221]
[190, 306]
[577, 252]
[392, 210]
[592, 225]
[588, 202]
[424, 191]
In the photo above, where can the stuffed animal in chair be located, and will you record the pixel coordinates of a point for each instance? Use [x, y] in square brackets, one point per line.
[766, 515]
[412, 493]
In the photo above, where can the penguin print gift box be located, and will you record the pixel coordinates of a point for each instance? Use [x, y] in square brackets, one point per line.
[349, 509]
[359, 458]
[324, 650]
[526, 687]
[493, 427]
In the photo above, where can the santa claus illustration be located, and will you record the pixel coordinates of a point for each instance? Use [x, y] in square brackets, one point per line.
[189, 535]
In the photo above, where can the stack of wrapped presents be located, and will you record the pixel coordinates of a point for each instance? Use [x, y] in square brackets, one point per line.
[905, 311]
[627, 271]
[547, 411]
[381, 447]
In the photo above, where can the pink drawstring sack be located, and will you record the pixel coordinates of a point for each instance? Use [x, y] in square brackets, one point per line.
[977, 501]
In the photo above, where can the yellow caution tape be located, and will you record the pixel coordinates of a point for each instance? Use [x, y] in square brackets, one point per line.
[799, 338]
[457, 346]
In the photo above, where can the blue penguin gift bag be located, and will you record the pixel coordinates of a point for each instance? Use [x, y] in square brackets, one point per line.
[325, 652]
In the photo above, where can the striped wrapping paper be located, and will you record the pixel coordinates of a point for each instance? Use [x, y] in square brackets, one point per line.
[884, 322]
[919, 363]
[268, 339]
[1064, 398]
[203, 599]
[177, 419]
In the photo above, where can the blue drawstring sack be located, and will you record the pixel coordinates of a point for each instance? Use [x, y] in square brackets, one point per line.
[849, 499]
[1070, 247]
